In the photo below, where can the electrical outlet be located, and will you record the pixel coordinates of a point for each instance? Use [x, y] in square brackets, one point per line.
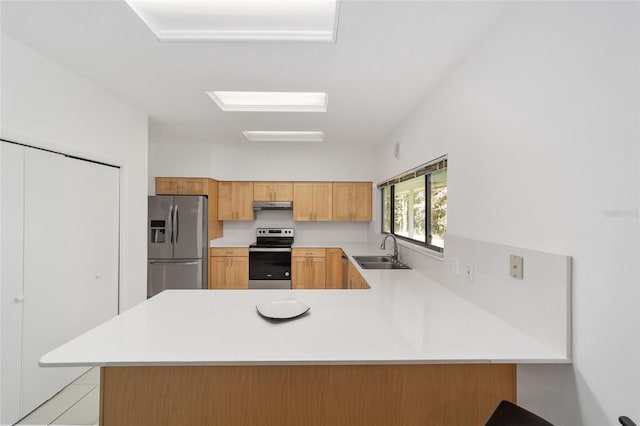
[455, 266]
[468, 272]
[515, 266]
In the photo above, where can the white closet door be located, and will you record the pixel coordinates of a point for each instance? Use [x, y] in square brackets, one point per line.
[71, 234]
[47, 299]
[78, 222]
[92, 215]
[106, 215]
[60, 223]
[12, 225]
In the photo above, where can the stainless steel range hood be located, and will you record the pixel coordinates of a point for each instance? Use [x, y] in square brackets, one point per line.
[272, 205]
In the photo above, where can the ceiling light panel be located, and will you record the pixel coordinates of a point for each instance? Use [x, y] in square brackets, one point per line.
[270, 101]
[239, 20]
[283, 136]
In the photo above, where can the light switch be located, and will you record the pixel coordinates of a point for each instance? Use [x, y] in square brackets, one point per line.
[515, 266]
[468, 272]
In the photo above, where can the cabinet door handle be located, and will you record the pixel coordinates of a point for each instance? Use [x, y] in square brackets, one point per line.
[19, 298]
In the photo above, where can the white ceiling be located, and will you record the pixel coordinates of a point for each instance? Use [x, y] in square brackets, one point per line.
[387, 56]
[247, 20]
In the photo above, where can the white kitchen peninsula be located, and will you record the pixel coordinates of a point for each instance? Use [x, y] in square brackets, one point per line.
[408, 351]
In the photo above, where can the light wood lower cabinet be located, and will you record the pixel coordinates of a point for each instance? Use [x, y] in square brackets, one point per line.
[310, 395]
[229, 268]
[311, 268]
[335, 274]
[356, 281]
[308, 268]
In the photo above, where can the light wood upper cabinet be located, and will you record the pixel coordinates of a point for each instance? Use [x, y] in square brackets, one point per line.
[352, 201]
[303, 201]
[235, 200]
[229, 268]
[215, 225]
[312, 201]
[182, 186]
[362, 208]
[283, 191]
[308, 268]
[272, 191]
[225, 201]
[335, 269]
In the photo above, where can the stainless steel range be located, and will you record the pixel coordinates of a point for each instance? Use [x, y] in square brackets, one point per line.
[270, 258]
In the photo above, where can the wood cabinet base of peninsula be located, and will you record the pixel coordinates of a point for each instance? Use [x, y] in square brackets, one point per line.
[309, 395]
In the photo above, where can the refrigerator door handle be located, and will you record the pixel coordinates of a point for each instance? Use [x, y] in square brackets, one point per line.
[170, 220]
[160, 262]
[177, 223]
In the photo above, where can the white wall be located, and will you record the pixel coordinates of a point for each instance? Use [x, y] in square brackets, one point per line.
[46, 106]
[268, 162]
[541, 124]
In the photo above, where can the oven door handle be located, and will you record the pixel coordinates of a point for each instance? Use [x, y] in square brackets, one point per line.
[269, 249]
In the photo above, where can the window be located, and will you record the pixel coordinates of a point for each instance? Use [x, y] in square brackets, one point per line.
[414, 205]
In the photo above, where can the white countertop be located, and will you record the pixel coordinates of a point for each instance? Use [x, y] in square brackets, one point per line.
[220, 242]
[403, 318]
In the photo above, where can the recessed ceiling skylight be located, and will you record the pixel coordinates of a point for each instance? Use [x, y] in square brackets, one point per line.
[283, 136]
[271, 101]
[239, 20]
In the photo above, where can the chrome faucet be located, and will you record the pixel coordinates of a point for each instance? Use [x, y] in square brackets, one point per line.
[395, 245]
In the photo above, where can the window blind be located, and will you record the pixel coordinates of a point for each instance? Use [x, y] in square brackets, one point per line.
[430, 167]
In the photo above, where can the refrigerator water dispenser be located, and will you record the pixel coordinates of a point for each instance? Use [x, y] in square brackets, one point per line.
[158, 231]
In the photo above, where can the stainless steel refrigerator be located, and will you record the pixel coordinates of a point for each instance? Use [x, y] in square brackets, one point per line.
[177, 243]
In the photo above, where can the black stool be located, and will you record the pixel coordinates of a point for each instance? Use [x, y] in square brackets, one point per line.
[509, 414]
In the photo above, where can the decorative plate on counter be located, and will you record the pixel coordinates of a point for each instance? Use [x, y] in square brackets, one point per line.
[282, 309]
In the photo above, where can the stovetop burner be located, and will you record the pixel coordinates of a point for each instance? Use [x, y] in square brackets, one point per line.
[271, 244]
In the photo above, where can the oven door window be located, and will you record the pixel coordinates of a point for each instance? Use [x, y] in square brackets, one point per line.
[270, 265]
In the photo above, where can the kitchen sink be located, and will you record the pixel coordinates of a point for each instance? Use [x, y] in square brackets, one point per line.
[379, 262]
[383, 265]
[377, 259]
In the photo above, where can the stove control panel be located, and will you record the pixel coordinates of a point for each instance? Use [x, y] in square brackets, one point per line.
[275, 232]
